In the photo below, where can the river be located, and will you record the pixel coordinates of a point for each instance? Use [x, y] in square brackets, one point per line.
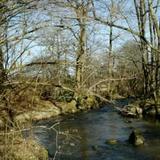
[82, 136]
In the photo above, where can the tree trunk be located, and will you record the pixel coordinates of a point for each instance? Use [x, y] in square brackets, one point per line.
[151, 30]
[2, 72]
[141, 17]
[81, 18]
[110, 57]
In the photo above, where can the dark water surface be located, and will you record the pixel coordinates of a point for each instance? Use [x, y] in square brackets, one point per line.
[83, 136]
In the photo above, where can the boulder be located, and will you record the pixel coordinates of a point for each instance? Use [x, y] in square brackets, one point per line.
[111, 141]
[132, 110]
[44, 111]
[136, 138]
[95, 147]
[70, 107]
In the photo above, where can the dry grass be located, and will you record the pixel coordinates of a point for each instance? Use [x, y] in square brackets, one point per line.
[14, 147]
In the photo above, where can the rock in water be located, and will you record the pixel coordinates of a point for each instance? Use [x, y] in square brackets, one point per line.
[111, 141]
[95, 147]
[136, 138]
[132, 111]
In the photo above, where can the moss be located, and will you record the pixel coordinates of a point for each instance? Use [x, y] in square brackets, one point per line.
[87, 102]
[91, 101]
[70, 107]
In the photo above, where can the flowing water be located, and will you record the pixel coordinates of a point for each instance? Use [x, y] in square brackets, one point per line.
[82, 136]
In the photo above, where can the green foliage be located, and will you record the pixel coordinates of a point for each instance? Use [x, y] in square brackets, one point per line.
[65, 96]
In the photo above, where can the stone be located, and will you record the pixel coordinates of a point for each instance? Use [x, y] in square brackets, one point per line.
[136, 138]
[72, 144]
[139, 110]
[45, 111]
[128, 121]
[111, 141]
[69, 107]
[132, 111]
[95, 147]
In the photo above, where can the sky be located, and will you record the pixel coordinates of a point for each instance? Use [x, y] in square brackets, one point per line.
[97, 34]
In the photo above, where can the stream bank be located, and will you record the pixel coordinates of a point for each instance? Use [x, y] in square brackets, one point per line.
[35, 109]
[19, 119]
